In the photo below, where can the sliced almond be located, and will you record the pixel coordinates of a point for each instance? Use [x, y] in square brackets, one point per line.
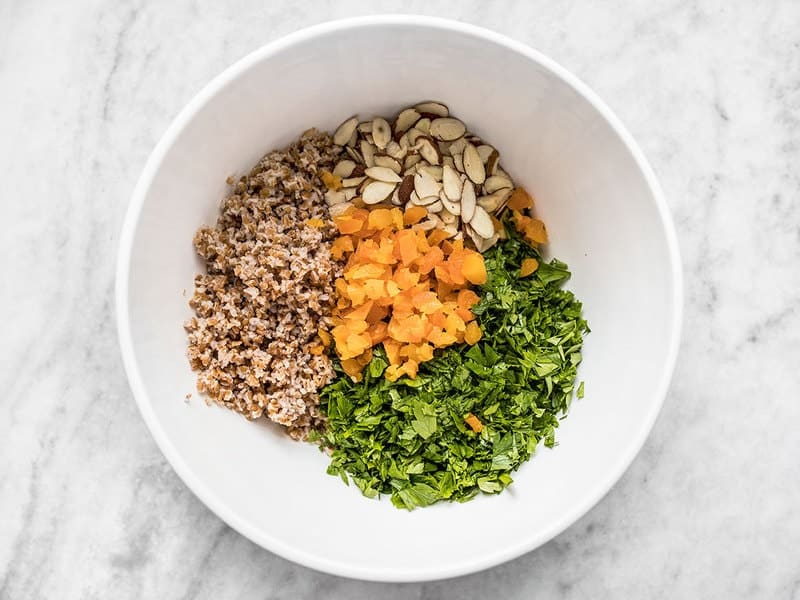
[435, 207]
[433, 108]
[448, 160]
[425, 185]
[405, 189]
[452, 183]
[473, 166]
[353, 141]
[429, 150]
[468, 201]
[413, 135]
[493, 165]
[485, 151]
[453, 207]
[481, 223]
[436, 172]
[345, 131]
[377, 191]
[493, 202]
[424, 125]
[447, 129]
[411, 160]
[450, 229]
[457, 147]
[394, 150]
[381, 132]
[352, 182]
[404, 143]
[458, 162]
[365, 127]
[350, 193]
[384, 174]
[395, 198]
[388, 162]
[354, 154]
[446, 215]
[496, 182]
[334, 197]
[344, 168]
[425, 225]
[406, 119]
[426, 201]
[368, 152]
[338, 209]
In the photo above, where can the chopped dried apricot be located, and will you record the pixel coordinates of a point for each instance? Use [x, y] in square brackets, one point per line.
[472, 333]
[529, 266]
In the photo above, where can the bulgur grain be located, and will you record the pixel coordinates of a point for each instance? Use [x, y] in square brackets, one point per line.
[268, 288]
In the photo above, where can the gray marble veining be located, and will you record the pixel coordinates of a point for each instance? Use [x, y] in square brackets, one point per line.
[90, 509]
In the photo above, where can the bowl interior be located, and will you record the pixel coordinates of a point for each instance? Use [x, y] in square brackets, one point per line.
[604, 220]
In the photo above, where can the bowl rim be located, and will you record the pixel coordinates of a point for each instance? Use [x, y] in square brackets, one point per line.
[200, 489]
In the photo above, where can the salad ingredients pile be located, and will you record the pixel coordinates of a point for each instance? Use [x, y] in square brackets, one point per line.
[442, 348]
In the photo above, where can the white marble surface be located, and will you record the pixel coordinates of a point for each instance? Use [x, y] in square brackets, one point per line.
[90, 509]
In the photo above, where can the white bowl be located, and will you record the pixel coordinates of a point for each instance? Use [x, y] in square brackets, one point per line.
[606, 217]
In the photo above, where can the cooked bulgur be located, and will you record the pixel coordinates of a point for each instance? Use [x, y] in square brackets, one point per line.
[267, 290]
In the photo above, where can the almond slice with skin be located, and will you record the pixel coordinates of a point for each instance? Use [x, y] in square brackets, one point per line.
[435, 206]
[452, 183]
[388, 162]
[457, 147]
[405, 189]
[495, 201]
[381, 132]
[432, 108]
[396, 151]
[425, 225]
[447, 216]
[425, 185]
[351, 182]
[493, 165]
[353, 141]
[354, 154]
[368, 152]
[473, 166]
[350, 193]
[496, 182]
[436, 172]
[426, 201]
[468, 201]
[345, 131]
[453, 207]
[406, 119]
[413, 135]
[485, 151]
[447, 129]
[429, 150]
[481, 223]
[424, 125]
[344, 168]
[458, 162]
[365, 127]
[384, 174]
[411, 160]
[377, 191]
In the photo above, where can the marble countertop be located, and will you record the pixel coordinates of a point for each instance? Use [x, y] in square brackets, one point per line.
[89, 508]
